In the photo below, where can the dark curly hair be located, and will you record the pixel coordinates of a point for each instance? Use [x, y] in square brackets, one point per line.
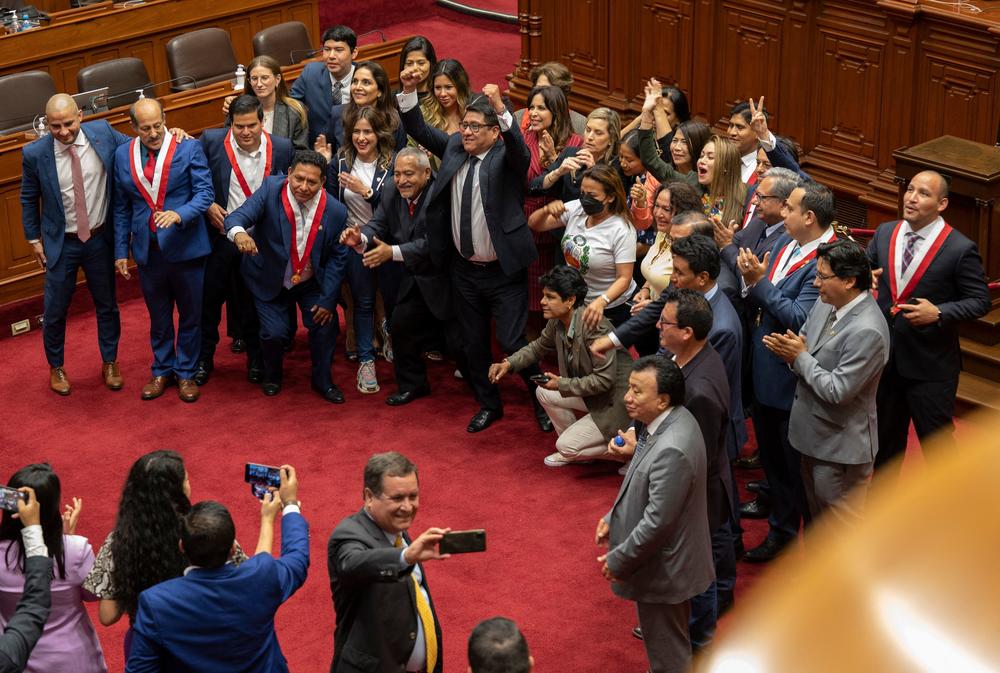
[144, 548]
[48, 492]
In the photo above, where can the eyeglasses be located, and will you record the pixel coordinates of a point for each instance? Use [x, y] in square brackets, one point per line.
[471, 126]
[660, 323]
[824, 277]
[764, 197]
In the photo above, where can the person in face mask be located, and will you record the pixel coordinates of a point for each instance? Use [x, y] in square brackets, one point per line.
[599, 241]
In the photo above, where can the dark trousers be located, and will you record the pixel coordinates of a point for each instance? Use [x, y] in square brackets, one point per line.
[164, 286]
[224, 285]
[484, 293]
[416, 329]
[274, 330]
[705, 606]
[781, 467]
[96, 258]
[929, 404]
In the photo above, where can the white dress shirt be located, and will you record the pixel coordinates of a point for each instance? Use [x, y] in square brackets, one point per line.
[304, 214]
[748, 162]
[252, 165]
[94, 182]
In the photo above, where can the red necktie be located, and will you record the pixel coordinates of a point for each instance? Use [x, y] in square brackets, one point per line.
[148, 170]
[753, 179]
[79, 196]
[413, 206]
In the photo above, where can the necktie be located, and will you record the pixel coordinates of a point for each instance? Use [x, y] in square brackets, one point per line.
[79, 197]
[426, 617]
[465, 218]
[752, 180]
[413, 206]
[640, 445]
[338, 93]
[911, 245]
[830, 320]
[148, 170]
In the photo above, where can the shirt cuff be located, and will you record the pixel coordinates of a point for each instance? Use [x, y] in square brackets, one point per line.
[397, 254]
[34, 240]
[231, 234]
[34, 542]
[407, 101]
[768, 143]
[614, 339]
[362, 246]
[290, 508]
[506, 121]
[403, 565]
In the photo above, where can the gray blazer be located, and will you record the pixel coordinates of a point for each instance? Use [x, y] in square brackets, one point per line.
[287, 124]
[601, 382]
[659, 546]
[833, 414]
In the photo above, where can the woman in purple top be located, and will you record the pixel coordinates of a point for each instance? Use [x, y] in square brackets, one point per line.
[69, 642]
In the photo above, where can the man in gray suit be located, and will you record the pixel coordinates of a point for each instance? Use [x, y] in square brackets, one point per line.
[838, 358]
[659, 549]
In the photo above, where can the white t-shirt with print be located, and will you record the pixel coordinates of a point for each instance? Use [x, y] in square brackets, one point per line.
[595, 251]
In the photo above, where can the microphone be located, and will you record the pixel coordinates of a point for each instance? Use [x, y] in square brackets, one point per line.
[298, 55]
[113, 101]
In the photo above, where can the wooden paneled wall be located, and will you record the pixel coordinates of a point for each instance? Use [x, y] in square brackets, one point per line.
[850, 80]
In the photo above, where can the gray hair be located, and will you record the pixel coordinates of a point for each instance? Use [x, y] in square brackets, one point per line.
[416, 153]
[785, 181]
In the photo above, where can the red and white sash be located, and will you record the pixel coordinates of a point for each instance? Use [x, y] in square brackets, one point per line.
[153, 193]
[901, 285]
[267, 147]
[299, 262]
[781, 268]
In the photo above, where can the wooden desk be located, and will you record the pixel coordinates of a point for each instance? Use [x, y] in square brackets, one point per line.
[194, 111]
[81, 37]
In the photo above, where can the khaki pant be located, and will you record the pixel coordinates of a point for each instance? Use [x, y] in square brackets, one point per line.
[578, 439]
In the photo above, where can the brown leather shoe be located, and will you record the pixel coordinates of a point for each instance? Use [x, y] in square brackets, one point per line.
[187, 390]
[155, 387]
[58, 380]
[112, 376]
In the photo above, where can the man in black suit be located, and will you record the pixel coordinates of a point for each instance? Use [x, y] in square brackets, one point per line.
[477, 202]
[385, 617]
[684, 327]
[930, 279]
[24, 628]
[240, 157]
[397, 234]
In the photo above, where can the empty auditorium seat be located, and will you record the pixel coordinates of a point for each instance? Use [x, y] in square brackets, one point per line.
[122, 76]
[287, 43]
[205, 56]
[23, 96]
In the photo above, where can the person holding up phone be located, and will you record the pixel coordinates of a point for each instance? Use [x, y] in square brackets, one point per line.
[385, 616]
[595, 387]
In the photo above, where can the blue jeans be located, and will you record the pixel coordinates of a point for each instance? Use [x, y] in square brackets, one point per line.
[362, 282]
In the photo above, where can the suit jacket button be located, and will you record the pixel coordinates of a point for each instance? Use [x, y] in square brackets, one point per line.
[413, 636]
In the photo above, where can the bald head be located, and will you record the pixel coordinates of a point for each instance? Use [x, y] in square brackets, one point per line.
[925, 199]
[63, 118]
[149, 122]
[934, 180]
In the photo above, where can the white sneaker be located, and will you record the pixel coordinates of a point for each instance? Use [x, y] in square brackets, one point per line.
[367, 381]
[556, 460]
[458, 374]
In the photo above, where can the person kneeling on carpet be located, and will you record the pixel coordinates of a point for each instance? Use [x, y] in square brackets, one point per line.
[594, 386]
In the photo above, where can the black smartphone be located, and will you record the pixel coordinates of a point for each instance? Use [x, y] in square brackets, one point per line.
[9, 497]
[540, 379]
[260, 477]
[463, 542]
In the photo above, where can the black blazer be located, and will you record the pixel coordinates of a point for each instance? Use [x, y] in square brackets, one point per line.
[955, 283]
[501, 179]
[288, 124]
[393, 225]
[374, 600]
[568, 186]
[25, 627]
[749, 237]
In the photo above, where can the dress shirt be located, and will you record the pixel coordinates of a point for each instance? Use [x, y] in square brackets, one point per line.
[359, 211]
[345, 83]
[711, 292]
[304, 214]
[34, 542]
[748, 162]
[928, 233]
[94, 181]
[655, 423]
[252, 165]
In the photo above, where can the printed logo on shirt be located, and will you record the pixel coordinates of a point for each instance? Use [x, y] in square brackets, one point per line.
[576, 252]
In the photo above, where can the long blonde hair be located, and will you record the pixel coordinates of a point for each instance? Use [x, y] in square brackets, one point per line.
[281, 89]
[727, 181]
[614, 123]
[434, 114]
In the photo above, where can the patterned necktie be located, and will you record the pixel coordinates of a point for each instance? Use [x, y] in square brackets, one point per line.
[640, 445]
[912, 239]
[79, 196]
[338, 93]
[149, 171]
[426, 616]
[465, 217]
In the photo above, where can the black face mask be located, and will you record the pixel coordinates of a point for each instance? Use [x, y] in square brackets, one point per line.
[591, 206]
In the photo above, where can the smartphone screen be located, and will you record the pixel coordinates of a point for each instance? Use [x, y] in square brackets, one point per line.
[255, 473]
[9, 497]
[463, 542]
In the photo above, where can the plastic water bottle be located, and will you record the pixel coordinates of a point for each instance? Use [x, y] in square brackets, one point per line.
[619, 441]
[241, 75]
[15, 25]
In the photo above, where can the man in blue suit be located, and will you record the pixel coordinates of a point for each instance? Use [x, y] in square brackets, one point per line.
[240, 157]
[294, 257]
[326, 83]
[66, 192]
[782, 291]
[163, 189]
[220, 617]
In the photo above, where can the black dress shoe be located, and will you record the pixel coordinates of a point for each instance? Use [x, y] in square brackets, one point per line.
[637, 632]
[764, 552]
[331, 394]
[203, 372]
[758, 486]
[748, 462]
[271, 389]
[238, 346]
[399, 399]
[483, 419]
[755, 509]
[544, 422]
[255, 372]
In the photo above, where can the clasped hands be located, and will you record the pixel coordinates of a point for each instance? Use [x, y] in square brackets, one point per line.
[786, 346]
[751, 268]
